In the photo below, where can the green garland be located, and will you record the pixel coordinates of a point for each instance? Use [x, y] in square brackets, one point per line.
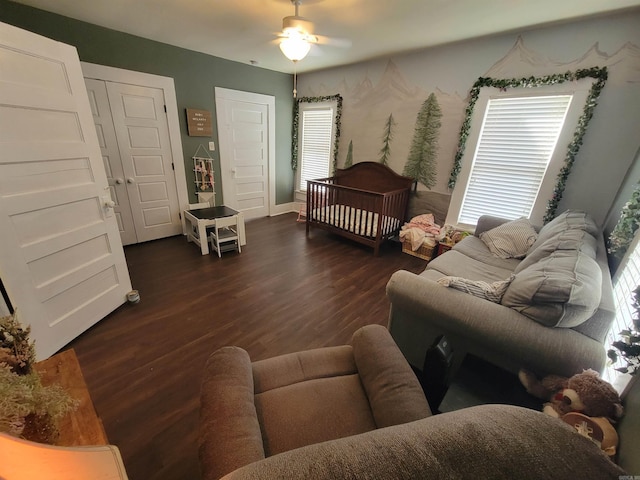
[599, 74]
[296, 116]
[624, 231]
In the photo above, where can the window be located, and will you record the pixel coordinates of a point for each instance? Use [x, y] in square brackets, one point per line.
[516, 148]
[317, 133]
[626, 280]
[517, 140]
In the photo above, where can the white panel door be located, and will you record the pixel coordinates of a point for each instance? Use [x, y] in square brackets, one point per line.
[243, 129]
[143, 139]
[99, 101]
[61, 258]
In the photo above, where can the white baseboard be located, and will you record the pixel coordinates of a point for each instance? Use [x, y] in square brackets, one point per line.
[291, 207]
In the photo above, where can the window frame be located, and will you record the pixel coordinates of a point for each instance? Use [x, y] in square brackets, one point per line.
[623, 310]
[579, 90]
[316, 105]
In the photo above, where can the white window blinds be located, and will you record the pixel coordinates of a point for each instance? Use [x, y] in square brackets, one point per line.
[316, 140]
[517, 139]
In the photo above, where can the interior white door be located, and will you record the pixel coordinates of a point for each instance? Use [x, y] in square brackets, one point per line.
[61, 258]
[99, 101]
[143, 140]
[243, 130]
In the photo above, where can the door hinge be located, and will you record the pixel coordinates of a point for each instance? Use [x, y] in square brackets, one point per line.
[179, 215]
[165, 109]
[173, 167]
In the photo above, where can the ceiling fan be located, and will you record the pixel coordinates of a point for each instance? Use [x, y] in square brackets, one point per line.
[297, 36]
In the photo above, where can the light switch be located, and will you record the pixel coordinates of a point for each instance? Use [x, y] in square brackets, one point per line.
[212, 146]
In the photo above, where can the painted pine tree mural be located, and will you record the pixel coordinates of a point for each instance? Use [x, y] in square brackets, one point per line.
[421, 163]
[349, 161]
[385, 151]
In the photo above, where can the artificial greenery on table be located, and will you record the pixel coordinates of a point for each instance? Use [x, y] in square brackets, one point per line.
[296, 122]
[628, 346]
[622, 234]
[28, 409]
[597, 73]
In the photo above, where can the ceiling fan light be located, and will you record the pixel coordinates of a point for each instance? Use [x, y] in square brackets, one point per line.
[295, 48]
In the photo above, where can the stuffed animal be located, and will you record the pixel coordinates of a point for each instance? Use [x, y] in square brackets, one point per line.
[597, 429]
[585, 392]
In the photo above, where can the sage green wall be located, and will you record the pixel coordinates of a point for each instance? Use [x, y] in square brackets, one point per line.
[195, 76]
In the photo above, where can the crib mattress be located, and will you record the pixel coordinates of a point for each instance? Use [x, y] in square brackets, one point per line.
[355, 220]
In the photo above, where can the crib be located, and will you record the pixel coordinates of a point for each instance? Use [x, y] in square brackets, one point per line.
[366, 203]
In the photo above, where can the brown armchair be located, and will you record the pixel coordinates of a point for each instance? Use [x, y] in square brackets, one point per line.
[320, 414]
[250, 411]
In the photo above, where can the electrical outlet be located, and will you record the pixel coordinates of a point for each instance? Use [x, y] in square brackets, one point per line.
[212, 146]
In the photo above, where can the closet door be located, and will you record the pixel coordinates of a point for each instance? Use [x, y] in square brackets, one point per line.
[143, 140]
[99, 101]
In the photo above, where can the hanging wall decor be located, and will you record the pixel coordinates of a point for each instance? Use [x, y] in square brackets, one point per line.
[199, 123]
[203, 171]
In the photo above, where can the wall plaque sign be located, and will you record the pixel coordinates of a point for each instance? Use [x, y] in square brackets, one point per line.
[199, 123]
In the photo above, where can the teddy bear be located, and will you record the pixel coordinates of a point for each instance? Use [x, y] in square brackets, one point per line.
[585, 393]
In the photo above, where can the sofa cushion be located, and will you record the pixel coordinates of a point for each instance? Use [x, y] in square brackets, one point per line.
[560, 290]
[510, 240]
[572, 239]
[312, 412]
[455, 264]
[475, 248]
[569, 220]
[478, 288]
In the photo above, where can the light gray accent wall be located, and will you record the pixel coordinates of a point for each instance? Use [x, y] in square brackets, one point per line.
[610, 144]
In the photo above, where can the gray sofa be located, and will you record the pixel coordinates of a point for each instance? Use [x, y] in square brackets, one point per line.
[553, 317]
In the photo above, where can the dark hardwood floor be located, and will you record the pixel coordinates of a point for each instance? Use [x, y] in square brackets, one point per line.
[284, 293]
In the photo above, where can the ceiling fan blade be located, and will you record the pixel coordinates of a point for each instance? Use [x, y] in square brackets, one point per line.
[315, 50]
[334, 42]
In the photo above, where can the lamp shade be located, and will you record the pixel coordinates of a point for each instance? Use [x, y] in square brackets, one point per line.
[24, 460]
[295, 47]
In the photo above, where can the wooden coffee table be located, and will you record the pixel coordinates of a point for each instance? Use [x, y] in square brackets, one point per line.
[83, 426]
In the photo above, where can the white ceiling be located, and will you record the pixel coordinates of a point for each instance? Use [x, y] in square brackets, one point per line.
[244, 30]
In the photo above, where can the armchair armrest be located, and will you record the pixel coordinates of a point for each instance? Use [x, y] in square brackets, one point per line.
[230, 432]
[394, 393]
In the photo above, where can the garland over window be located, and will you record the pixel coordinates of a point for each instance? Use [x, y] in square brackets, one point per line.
[600, 76]
[624, 231]
[296, 120]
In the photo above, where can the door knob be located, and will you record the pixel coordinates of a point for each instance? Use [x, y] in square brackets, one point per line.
[130, 180]
[119, 181]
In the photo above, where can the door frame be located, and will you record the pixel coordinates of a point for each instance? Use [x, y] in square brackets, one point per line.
[270, 102]
[167, 85]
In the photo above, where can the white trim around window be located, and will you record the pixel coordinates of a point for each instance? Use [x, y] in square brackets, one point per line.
[316, 140]
[577, 90]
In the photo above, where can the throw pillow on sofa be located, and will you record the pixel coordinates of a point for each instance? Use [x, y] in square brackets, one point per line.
[561, 290]
[489, 291]
[511, 239]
